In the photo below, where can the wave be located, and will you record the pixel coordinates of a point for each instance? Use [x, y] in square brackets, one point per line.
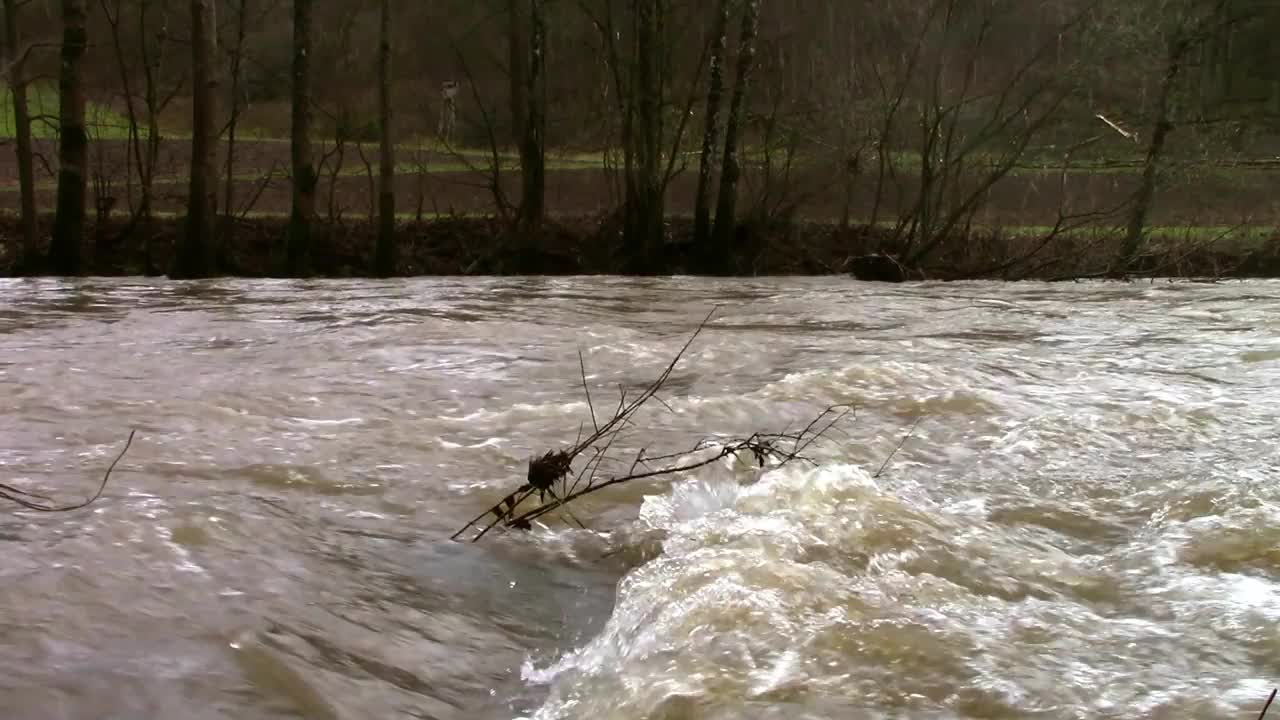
[822, 591]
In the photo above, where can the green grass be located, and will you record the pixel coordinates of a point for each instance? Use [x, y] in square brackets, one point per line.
[42, 100]
[1227, 236]
[347, 214]
[1224, 237]
[474, 154]
[1243, 236]
[350, 169]
[483, 154]
[508, 165]
[1037, 163]
[1205, 231]
[106, 124]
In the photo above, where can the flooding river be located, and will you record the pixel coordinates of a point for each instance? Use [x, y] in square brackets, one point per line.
[1084, 524]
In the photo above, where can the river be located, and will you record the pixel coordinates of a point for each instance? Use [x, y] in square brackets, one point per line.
[1084, 524]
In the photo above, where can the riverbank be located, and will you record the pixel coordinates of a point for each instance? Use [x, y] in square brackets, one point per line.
[589, 246]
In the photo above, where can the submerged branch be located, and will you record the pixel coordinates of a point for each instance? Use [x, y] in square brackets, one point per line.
[901, 442]
[32, 501]
[556, 483]
[763, 447]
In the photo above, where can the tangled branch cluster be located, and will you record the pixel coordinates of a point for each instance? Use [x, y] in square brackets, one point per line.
[559, 477]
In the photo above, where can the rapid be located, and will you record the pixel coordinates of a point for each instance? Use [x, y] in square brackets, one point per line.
[1084, 523]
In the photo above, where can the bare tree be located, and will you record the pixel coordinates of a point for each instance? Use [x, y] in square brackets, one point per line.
[154, 99]
[711, 132]
[967, 125]
[921, 127]
[1191, 28]
[639, 56]
[73, 143]
[722, 232]
[533, 124]
[517, 66]
[386, 249]
[642, 138]
[16, 63]
[342, 113]
[634, 63]
[142, 105]
[196, 254]
[304, 173]
[237, 52]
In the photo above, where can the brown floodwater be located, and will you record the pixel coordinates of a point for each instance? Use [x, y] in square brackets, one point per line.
[1084, 524]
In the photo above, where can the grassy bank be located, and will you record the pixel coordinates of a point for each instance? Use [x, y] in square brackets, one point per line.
[101, 122]
[1209, 218]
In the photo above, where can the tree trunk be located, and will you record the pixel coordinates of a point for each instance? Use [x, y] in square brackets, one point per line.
[73, 144]
[711, 133]
[104, 246]
[153, 65]
[518, 51]
[726, 210]
[29, 260]
[133, 146]
[304, 174]
[386, 250]
[196, 253]
[1151, 166]
[644, 211]
[533, 141]
[233, 123]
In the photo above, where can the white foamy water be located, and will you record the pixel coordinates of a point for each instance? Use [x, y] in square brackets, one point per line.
[1084, 523]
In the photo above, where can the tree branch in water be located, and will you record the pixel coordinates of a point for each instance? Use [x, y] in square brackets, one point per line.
[1267, 707]
[552, 477]
[42, 503]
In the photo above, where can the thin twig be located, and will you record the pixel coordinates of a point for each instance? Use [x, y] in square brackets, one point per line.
[13, 494]
[556, 468]
[1267, 707]
[627, 409]
[582, 367]
[523, 495]
[901, 442]
[634, 463]
[593, 465]
[664, 404]
[252, 201]
[763, 446]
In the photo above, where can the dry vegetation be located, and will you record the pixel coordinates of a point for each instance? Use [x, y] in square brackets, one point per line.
[958, 137]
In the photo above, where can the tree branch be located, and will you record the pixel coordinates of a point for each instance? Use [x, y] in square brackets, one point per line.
[31, 500]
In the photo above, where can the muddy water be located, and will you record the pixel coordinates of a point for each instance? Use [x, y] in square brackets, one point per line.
[1085, 523]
